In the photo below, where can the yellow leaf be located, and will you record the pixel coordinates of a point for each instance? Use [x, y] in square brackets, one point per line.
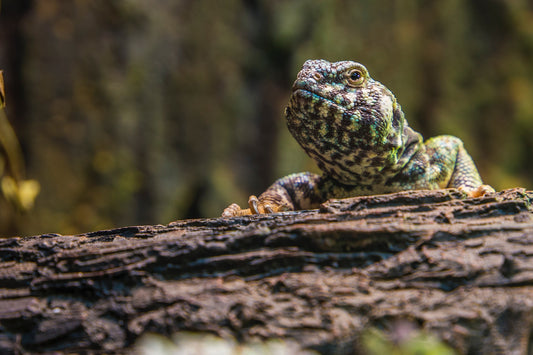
[21, 194]
[28, 191]
[2, 91]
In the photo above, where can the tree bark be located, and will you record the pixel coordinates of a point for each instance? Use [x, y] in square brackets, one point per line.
[459, 268]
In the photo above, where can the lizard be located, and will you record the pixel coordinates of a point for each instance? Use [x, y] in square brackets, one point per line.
[353, 127]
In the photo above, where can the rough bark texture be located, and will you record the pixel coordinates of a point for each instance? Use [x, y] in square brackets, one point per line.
[459, 268]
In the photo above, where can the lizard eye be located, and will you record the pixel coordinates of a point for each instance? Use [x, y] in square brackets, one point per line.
[317, 76]
[355, 77]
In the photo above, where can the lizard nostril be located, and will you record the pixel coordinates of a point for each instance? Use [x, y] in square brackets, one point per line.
[317, 76]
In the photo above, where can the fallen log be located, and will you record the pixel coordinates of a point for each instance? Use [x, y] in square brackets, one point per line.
[459, 268]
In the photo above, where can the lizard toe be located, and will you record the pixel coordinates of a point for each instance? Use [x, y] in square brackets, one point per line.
[479, 191]
[233, 210]
[253, 202]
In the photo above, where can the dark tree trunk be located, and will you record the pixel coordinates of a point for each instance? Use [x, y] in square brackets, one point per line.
[461, 269]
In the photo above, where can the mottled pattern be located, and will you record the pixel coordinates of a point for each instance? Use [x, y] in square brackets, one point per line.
[355, 130]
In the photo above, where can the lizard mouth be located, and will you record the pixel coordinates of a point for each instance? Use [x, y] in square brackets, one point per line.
[304, 97]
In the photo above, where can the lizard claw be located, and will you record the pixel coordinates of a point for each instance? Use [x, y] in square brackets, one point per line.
[256, 207]
[252, 202]
[480, 191]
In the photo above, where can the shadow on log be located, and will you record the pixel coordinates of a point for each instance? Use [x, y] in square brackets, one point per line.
[459, 268]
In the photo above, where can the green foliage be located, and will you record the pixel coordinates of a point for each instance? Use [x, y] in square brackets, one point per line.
[376, 342]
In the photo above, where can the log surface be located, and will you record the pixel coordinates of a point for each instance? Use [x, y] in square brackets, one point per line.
[459, 268]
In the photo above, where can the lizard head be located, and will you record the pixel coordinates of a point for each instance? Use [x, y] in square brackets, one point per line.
[350, 124]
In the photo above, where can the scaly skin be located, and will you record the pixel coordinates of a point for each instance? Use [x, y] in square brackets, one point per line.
[355, 130]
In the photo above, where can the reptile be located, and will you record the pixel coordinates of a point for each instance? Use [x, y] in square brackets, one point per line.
[353, 127]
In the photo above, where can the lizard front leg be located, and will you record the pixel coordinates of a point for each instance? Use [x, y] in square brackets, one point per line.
[456, 167]
[292, 192]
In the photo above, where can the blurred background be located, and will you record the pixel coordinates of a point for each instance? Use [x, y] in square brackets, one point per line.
[143, 112]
